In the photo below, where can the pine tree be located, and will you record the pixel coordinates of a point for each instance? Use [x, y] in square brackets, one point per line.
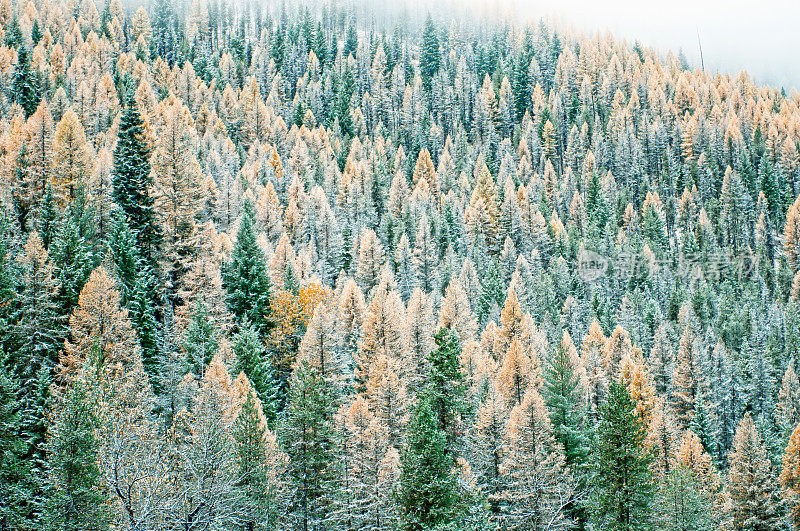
[446, 388]
[73, 261]
[16, 481]
[682, 504]
[39, 327]
[162, 30]
[430, 58]
[428, 495]
[246, 278]
[566, 400]
[491, 292]
[75, 493]
[133, 180]
[311, 442]
[259, 465]
[622, 498]
[425, 257]
[685, 379]
[419, 324]
[252, 360]
[24, 84]
[200, 340]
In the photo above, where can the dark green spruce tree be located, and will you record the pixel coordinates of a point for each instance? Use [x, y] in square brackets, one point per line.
[137, 289]
[25, 84]
[15, 478]
[201, 341]
[445, 386]
[623, 486]
[246, 278]
[429, 494]
[75, 496]
[132, 180]
[430, 58]
[562, 394]
[253, 361]
[73, 261]
[259, 506]
[311, 441]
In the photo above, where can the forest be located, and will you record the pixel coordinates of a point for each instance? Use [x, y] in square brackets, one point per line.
[311, 266]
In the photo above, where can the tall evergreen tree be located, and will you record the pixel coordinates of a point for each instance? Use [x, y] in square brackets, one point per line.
[15, 470]
[24, 84]
[252, 360]
[257, 470]
[75, 493]
[246, 278]
[445, 387]
[132, 180]
[430, 57]
[622, 482]
[73, 263]
[568, 414]
[429, 493]
[310, 440]
[201, 341]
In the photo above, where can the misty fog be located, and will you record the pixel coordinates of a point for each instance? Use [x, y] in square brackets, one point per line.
[762, 37]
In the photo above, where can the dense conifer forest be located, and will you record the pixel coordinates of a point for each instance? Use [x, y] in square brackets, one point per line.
[317, 266]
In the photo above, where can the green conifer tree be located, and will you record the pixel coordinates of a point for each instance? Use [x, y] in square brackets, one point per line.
[253, 361]
[622, 481]
[430, 59]
[75, 495]
[310, 439]
[246, 278]
[132, 180]
[568, 416]
[258, 496]
[15, 470]
[24, 84]
[429, 492]
[201, 341]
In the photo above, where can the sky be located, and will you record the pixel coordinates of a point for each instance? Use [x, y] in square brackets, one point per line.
[760, 36]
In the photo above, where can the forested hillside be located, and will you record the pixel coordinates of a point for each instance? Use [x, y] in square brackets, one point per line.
[267, 266]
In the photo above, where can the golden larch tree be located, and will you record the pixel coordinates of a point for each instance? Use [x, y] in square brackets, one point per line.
[538, 483]
[790, 475]
[752, 483]
[72, 158]
[176, 189]
[100, 331]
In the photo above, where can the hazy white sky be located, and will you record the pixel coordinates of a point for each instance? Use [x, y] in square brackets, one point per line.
[761, 36]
